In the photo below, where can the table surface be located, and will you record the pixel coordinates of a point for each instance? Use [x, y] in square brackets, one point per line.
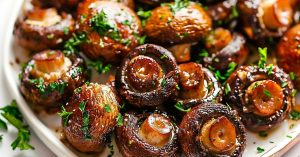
[10, 135]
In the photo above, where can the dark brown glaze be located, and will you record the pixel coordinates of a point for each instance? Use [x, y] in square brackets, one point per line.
[72, 74]
[68, 5]
[154, 3]
[97, 97]
[220, 10]
[262, 19]
[188, 24]
[197, 85]
[43, 29]
[123, 19]
[83, 6]
[288, 53]
[131, 141]
[212, 129]
[262, 96]
[181, 52]
[148, 76]
[224, 47]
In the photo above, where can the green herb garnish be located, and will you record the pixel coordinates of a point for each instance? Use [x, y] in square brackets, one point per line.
[99, 66]
[227, 88]
[119, 119]
[164, 56]
[178, 5]
[263, 54]
[294, 115]
[267, 93]
[85, 120]
[144, 15]
[72, 44]
[64, 115]
[263, 134]
[292, 76]
[107, 108]
[179, 106]
[260, 150]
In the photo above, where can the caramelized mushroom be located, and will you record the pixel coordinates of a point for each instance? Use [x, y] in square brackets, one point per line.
[147, 135]
[211, 129]
[262, 96]
[181, 52]
[197, 85]
[220, 10]
[171, 24]
[43, 29]
[148, 76]
[93, 112]
[288, 53]
[263, 18]
[50, 77]
[112, 30]
[222, 48]
[68, 5]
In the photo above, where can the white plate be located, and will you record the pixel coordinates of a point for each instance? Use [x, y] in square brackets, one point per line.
[46, 126]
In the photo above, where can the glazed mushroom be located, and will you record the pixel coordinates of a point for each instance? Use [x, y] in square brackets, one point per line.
[197, 85]
[92, 113]
[181, 52]
[222, 48]
[265, 18]
[43, 29]
[220, 10]
[211, 129]
[262, 96]
[288, 53]
[154, 3]
[171, 24]
[50, 78]
[112, 30]
[68, 5]
[147, 76]
[147, 135]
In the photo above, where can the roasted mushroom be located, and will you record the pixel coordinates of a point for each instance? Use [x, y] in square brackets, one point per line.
[50, 78]
[211, 129]
[150, 135]
[220, 10]
[263, 96]
[265, 18]
[197, 85]
[112, 30]
[68, 5]
[92, 113]
[179, 22]
[148, 76]
[288, 53]
[222, 48]
[43, 29]
[154, 3]
[181, 52]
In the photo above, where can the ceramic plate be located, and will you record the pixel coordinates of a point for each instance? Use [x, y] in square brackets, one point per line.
[47, 127]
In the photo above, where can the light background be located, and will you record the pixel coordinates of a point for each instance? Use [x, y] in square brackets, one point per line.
[40, 149]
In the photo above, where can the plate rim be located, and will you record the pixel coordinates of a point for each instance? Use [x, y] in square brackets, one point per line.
[36, 125]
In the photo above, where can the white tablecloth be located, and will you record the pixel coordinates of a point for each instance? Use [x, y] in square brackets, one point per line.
[40, 148]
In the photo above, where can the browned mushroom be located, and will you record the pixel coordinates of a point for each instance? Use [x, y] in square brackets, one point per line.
[263, 19]
[147, 135]
[288, 56]
[43, 29]
[112, 30]
[171, 24]
[220, 10]
[68, 5]
[181, 52]
[50, 78]
[211, 129]
[92, 117]
[262, 96]
[197, 85]
[148, 76]
[222, 48]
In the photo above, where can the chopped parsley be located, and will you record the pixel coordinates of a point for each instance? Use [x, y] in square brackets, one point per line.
[164, 56]
[178, 5]
[107, 108]
[119, 119]
[72, 44]
[227, 88]
[260, 150]
[263, 134]
[12, 114]
[263, 53]
[144, 15]
[177, 87]
[203, 53]
[78, 90]
[294, 92]
[163, 82]
[294, 115]
[99, 66]
[267, 93]
[179, 106]
[3, 125]
[76, 72]
[66, 30]
[289, 136]
[50, 36]
[234, 12]
[104, 26]
[292, 76]
[270, 69]
[284, 84]
[64, 115]
[85, 120]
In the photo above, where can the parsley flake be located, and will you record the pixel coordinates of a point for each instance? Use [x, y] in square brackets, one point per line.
[263, 53]
[260, 150]
[64, 115]
[119, 119]
[179, 106]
